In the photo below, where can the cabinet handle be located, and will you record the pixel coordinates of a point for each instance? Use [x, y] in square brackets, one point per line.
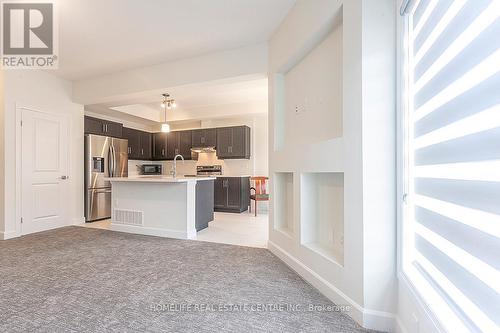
[230, 149]
[104, 128]
[163, 152]
[142, 151]
[176, 151]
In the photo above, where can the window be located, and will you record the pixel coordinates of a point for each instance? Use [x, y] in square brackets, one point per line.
[451, 220]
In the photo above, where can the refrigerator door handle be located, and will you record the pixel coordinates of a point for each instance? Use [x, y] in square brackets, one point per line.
[114, 159]
[110, 162]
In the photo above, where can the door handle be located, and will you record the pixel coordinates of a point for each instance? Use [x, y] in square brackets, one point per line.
[64, 177]
[110, 165]
[100, 192]
[114, 159]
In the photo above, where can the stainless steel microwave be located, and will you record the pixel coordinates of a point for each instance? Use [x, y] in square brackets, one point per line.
[151, 169]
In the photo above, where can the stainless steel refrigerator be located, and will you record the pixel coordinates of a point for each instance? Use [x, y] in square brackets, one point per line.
[104, 157]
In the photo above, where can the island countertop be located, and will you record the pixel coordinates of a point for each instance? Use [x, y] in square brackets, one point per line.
[158, 179]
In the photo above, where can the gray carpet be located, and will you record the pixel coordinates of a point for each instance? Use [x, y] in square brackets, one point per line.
[79, 279]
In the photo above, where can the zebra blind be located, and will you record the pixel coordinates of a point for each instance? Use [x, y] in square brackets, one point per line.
[451, 239]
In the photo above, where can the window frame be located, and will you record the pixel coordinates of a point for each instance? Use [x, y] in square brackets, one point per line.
[408, 275]
[403, 169]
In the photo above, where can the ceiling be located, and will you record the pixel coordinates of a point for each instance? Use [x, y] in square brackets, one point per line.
[99, 37]
[226, 98]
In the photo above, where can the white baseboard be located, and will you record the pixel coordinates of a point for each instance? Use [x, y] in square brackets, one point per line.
[4, 235]
[400, 327]
[151, 231]
[370, 319]
[78, 220]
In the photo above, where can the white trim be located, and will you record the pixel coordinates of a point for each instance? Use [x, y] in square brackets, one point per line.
[421, 305]
[401, 136]
[370, 319]
[78, 220]
[152, 231]
[400, 328]
[4, 235]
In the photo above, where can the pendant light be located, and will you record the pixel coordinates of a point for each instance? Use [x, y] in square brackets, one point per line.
[167, 104]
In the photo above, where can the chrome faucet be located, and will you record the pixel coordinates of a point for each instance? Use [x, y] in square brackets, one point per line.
[174, 166]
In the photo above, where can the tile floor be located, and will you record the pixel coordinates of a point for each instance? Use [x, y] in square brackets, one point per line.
[238, 229]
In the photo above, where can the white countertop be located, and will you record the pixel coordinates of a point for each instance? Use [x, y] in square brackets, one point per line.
[158, 179]
[232, 176]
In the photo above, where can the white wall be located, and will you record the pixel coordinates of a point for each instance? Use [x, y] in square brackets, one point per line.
[42, 91]
[359, 143]
[379, 154]
[2, 155]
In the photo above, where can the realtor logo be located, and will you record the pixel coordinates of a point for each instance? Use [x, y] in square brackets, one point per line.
[28, 35]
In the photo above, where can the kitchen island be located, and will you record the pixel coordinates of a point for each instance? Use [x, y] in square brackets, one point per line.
[161, 206]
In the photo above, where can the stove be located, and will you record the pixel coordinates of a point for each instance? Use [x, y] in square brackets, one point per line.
[209, 170]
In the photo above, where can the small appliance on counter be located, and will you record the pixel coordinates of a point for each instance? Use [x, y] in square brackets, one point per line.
[151, 169]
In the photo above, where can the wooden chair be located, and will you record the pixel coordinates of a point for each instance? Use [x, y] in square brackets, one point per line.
[259, 186]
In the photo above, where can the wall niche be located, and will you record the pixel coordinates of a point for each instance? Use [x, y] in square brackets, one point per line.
[283, 203]
[322, 214]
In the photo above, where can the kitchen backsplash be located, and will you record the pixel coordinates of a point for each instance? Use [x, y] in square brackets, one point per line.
[188, 167]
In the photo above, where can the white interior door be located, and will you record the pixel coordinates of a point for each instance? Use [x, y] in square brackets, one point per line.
[45, 190]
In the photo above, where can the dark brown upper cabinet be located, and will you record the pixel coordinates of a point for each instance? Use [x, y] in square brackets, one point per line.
[146, 145]
[159, 146]
[203, 138]
[134, 142]
[139, 144]
[233, 142]
[102, 127]
[179, 143]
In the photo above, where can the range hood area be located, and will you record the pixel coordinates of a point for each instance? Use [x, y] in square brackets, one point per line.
[203, 150]
[196, 151]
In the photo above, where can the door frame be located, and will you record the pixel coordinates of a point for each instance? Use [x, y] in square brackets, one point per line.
[19, 161]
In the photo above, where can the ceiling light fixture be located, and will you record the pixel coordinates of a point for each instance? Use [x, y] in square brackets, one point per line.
[167, 104]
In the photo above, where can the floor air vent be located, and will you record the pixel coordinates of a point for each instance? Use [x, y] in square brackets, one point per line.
[131, 217]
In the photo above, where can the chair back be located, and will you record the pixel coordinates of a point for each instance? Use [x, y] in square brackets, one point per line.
[259, 184]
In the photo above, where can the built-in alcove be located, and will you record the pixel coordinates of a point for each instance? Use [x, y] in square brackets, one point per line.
[322, 214]
[308, 94]
[283, 203]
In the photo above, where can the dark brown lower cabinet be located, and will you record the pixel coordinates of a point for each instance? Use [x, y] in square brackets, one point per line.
[231, 194]
[204, 204]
